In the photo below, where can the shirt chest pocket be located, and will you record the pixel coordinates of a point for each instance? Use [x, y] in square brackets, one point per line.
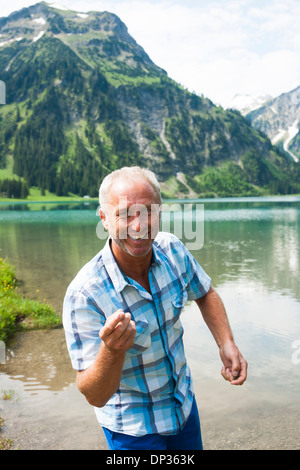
[174, 310]
[142, 339]
[172, 325]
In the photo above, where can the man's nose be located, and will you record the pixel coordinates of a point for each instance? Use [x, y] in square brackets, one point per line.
[140, 221]
[137, 224]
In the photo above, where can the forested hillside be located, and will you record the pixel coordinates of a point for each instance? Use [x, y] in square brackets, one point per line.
[83, 98]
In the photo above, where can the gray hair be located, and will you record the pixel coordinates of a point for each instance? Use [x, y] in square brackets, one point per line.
[127, 172]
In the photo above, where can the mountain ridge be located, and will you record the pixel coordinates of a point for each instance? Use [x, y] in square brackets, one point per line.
[279, 118]
[83, 98]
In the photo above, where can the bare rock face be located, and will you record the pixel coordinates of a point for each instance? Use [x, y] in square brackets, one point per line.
[279, 118]
[83, 99]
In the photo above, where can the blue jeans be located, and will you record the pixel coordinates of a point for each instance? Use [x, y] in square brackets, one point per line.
[189, 438]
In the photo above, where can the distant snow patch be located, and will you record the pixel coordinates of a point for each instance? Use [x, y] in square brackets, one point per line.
[40, 20]
[82, 15]
[292, 132]
[278, 136]
[10, 41]
[287, 135]
[247, 103]
[58, 6]
[36, 38]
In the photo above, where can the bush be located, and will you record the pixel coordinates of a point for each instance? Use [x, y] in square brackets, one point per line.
[18, 313]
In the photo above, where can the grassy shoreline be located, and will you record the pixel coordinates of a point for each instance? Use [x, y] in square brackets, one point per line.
[36, 197]
[18, 313]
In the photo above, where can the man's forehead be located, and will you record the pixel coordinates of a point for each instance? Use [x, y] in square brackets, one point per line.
[124, 201]
[126, 193]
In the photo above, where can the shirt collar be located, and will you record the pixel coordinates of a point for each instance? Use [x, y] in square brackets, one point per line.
[118, 279]
[112, 268]
[155, 255]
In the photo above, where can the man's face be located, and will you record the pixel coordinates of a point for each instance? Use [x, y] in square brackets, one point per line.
[132, 216]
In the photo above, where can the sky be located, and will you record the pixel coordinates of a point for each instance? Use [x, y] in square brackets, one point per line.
[215, 48]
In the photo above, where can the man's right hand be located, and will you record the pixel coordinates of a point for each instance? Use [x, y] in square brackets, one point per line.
[118, 333]
[102, 378]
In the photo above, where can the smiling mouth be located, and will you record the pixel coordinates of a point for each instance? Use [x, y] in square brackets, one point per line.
[138, 237]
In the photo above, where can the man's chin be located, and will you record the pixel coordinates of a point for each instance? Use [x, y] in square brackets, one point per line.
[135, 247]
[138, 247]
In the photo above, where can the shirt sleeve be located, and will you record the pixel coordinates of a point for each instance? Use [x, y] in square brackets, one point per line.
[198, 281]
[82, 322]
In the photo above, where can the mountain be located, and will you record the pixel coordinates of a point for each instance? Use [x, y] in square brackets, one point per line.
[247, 103]
[279, 118]
[83, 98]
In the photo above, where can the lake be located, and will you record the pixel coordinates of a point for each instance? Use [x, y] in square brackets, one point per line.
[249, 247]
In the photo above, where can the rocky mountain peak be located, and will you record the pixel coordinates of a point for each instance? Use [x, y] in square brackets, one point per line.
[103, 32]
[279, 118]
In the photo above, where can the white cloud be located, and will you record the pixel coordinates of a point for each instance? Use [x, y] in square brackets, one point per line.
[216, 48]
[219, 51]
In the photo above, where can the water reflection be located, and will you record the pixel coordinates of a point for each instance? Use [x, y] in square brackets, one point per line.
[40, 360]
[251, 240]
[254, 250]
[265, 250]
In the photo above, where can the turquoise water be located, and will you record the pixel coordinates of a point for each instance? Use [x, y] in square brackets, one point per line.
[250, 248]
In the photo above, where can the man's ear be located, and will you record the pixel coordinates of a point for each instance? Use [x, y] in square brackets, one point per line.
[103, 218]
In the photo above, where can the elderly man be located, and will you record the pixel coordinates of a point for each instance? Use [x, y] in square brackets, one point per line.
[122, 323]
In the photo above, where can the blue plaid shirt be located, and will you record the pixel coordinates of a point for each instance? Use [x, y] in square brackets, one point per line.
[155, 393]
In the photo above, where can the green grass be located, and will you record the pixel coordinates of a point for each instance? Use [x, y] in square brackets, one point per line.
[36, 196]
[116, 79]
[169, 188]
[7, 173]
[17, 313]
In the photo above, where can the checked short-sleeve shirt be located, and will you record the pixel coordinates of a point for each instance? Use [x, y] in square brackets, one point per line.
[155, 393]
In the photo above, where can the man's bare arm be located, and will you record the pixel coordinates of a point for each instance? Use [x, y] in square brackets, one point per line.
[102, 378]
[213, 311]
